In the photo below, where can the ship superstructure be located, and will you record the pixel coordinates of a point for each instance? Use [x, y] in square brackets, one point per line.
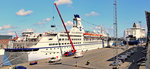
[135, 35]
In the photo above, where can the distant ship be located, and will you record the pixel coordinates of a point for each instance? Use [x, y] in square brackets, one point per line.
[134, 35]
[31, 46]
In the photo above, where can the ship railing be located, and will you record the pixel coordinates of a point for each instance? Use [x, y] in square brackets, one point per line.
[24, 41]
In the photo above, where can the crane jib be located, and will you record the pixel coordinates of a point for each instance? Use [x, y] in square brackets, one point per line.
[74, 50]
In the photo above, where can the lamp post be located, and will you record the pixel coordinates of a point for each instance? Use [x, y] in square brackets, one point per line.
[116, 37]
[140, 32]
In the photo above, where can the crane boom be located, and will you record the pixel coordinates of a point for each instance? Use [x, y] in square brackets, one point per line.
[74, 50]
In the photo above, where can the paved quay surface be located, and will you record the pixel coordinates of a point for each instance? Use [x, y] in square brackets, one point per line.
[98, 59]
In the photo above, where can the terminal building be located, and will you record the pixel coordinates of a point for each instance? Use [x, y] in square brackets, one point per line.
[4, 39]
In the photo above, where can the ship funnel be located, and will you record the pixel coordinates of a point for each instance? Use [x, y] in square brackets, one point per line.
[76, 16]
[77, 23]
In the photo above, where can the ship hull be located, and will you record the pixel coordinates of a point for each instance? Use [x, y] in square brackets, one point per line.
[48, 52]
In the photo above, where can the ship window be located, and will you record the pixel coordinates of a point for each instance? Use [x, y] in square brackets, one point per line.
[50, 39]
[45, 53]
[59, 39]
[59, 43]
[50, 48]
[57, 48]
[54, 52]
[49, 53]
[46, 49]
[57, 52]
[62, 43]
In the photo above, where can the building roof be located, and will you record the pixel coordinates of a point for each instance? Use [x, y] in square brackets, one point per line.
[5, 41]
[5, 36]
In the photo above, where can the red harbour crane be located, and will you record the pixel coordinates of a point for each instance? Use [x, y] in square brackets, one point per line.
[72, 52]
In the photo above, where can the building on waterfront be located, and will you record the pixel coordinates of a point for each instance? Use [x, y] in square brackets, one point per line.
[148, 37]
[4, 39]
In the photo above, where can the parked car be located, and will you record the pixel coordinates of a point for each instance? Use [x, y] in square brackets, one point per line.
[119, 43]
[144, 51]
[114, 63]
[124, 56]
[122, 59]
[132, 52]
[78, 54]
[141, 59]
[33, 62]
[128, 54]
[55, 59]
[142, 63]
[144, 47]
[19, 67]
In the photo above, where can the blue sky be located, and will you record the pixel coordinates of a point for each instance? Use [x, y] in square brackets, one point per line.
[19, 15]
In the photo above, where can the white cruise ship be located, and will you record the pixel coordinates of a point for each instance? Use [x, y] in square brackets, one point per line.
[31, 47]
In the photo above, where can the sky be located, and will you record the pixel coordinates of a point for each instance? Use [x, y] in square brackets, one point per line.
[38, 15]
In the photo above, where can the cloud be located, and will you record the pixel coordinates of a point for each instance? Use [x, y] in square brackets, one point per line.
[60, 2]
[47, 19]
[29, 30]
[11, 33]
[40, 23]
[22, 12]
[44, 21]
[69, 23]
[5, 27]
[93, 13]
[1, 28]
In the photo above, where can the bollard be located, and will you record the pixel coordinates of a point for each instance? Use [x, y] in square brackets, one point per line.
[76, 64]
[87, 63]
